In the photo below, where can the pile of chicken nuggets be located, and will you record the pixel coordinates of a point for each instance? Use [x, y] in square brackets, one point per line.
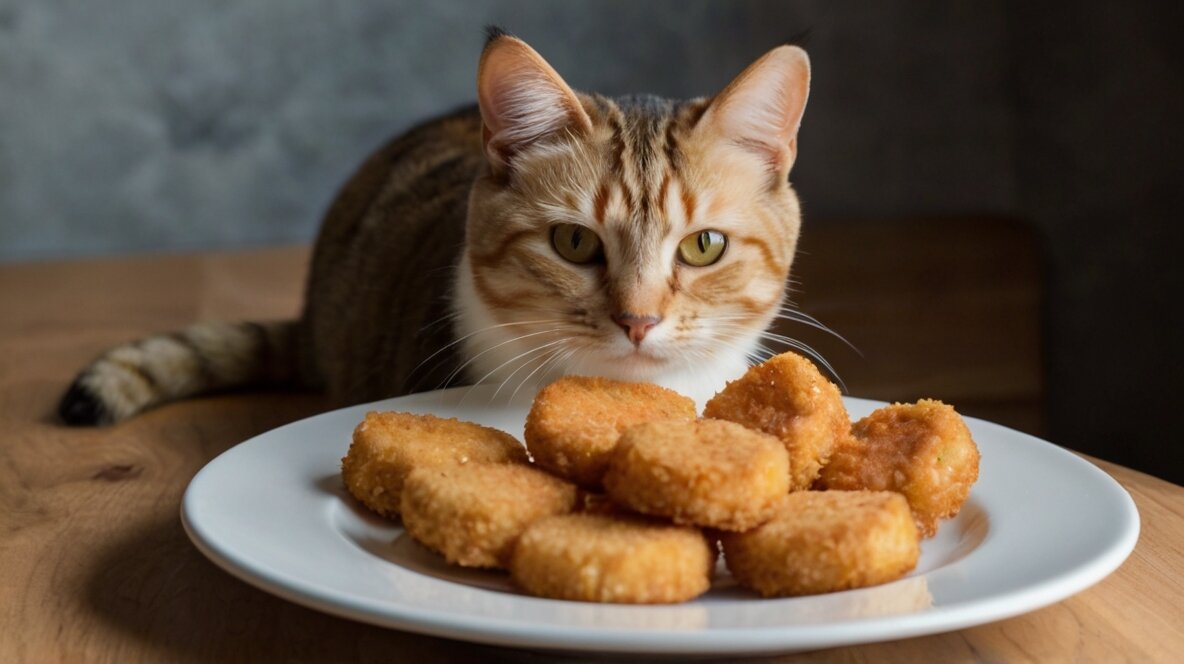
[627, 496]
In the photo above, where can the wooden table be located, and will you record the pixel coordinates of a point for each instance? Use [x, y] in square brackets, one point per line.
[94, 565]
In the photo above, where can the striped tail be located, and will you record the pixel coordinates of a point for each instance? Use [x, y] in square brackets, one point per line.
[205, 357]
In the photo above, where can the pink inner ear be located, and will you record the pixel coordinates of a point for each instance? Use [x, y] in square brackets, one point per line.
[522, 99]
[762, 109]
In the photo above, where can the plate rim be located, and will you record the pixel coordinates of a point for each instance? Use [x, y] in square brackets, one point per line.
[672, 641]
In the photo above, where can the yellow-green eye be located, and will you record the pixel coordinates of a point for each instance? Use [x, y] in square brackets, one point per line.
[575, 243]
[702, 248]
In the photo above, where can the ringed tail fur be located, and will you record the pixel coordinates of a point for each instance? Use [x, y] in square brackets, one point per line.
[202, 358]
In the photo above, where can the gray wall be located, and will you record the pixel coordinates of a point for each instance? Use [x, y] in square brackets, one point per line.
[147, 125]
[167, 124]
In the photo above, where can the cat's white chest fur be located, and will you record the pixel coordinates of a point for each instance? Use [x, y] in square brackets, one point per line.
[522, 357]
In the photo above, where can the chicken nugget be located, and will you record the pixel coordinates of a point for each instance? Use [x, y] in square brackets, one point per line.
[788, 398]
[921, 450]
[621, 559]
[387, 446]
[709, 473]
[575, 421]
[823, 541]
[473, 514]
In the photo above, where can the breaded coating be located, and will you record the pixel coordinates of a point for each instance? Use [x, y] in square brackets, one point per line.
[621, 559]
[387, 446]
[575, 421]
[787, 397]
[473, 514]
[709, 473]
[921, 450]
[823, 541]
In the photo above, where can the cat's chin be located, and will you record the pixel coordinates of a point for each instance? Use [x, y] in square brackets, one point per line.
[640, 360]
[699, 381]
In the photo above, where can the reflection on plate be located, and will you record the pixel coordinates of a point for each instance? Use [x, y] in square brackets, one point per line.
[1040, 525]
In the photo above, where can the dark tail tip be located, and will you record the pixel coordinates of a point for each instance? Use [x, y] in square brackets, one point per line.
[80, 407]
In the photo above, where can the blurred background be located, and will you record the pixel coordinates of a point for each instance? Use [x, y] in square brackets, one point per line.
[162, 125]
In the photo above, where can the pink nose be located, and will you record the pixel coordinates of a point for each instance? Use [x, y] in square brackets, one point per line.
[636, 327]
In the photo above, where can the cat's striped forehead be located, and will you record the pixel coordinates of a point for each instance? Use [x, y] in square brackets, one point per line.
[640, 178]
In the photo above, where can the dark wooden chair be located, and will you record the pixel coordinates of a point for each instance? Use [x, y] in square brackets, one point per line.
[944, 308]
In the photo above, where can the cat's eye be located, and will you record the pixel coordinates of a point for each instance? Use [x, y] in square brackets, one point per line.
[576, 243]
[702, 248]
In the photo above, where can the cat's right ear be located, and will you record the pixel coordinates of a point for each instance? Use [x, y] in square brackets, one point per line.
[522, 99]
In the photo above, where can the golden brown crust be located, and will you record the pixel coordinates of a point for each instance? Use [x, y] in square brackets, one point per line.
[621, 559]
[575, 421]
[387, 446]
[709, 473]
[473, 514]
[921, 450]
[788, 398]
[823, 541]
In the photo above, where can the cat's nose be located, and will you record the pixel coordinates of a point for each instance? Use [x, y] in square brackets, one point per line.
[636, 327]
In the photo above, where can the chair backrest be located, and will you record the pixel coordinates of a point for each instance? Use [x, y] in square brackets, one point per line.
[944, 308]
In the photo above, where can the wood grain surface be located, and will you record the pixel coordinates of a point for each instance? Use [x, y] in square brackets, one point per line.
[94, 565]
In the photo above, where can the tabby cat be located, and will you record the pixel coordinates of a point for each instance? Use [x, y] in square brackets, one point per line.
[543, 232]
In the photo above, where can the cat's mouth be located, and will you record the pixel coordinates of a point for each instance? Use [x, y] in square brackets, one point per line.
[643, 357]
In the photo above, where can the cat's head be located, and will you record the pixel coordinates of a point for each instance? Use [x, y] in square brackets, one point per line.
[637, 238]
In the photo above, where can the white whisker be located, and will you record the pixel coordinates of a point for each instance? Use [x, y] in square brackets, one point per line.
[558, 357]
[457, 371]
[442, 319]
[472, 334]
[804, 318]
[806, 349]
[787, 341]
[512, 359]
[524, 364]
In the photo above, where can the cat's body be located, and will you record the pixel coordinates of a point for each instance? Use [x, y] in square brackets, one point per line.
[542, 233]
[378, 300]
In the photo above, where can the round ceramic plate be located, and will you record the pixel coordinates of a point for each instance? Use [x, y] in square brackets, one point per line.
[1040, 525]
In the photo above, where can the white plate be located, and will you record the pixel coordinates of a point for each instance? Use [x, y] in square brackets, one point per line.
[1040, 525]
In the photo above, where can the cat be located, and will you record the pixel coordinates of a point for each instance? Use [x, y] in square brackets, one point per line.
[541, 232]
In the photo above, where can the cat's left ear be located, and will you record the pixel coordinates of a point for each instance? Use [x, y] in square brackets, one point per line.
[761, 110]
[523, 100]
